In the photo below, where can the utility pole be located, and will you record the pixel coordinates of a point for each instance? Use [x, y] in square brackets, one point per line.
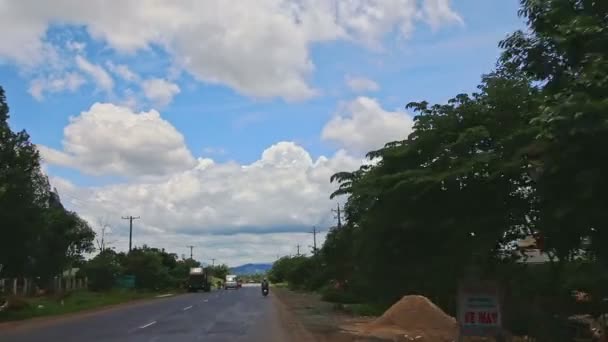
[130, 218]
[212, 262]
[191, 247]
[338, 215]
[298, 246]
[314, 236]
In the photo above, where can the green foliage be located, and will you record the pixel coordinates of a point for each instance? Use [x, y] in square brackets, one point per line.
[39, 237]
[300, 272]
[149, 266]
[219, 271]
[103, 270]
[75, 301]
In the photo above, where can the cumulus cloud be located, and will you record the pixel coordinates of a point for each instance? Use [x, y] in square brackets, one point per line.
[259, 48]
[224, 205]
[70, 81]
[160, 91]
[101, 77]
[109, 139]
[363, 125]
[361, 84]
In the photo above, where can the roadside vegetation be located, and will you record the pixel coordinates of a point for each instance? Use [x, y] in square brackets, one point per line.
[69, 302]
[523, 157]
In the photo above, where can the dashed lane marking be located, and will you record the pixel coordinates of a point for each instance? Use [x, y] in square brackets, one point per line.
[147, 325]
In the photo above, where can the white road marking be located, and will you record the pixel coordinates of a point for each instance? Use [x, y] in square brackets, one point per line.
[147, 325]
[188, 308]
[164, 295]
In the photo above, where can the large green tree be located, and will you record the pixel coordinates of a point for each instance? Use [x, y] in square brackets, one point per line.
[39, 238]
[565, 51]
[23, 195]
[455, 186]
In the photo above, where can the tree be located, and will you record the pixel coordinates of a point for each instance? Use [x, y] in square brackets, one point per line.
[23, 195]
[103, 270]
[454, 185]
[61, 242]
[104, 230]
[39, 236]
[219, 271]
[566, 51]
[146, 264]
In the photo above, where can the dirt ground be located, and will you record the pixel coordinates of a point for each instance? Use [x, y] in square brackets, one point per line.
[310, 319]
[321, 320]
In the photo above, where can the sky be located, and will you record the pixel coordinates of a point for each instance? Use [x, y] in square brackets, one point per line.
[219, 122]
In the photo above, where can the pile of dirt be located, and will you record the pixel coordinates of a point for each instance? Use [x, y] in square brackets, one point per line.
[418, 318]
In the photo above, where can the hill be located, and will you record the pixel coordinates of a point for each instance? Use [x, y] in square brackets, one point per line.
[250, 269]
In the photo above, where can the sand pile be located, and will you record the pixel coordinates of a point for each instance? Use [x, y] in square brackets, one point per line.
[418, 318]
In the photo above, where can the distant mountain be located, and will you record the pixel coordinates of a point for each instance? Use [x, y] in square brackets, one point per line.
[250, 269]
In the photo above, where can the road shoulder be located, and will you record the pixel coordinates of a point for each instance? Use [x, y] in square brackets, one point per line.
[41, 321]
[318, 319]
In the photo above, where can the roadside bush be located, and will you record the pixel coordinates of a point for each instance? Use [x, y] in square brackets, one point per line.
[16, 303]
[330, 294]
[102, 271]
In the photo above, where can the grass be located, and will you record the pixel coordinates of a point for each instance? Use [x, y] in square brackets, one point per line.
[365, 309]
[73, 302]
[280, 285]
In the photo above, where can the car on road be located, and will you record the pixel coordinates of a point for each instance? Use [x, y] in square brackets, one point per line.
[231, 282]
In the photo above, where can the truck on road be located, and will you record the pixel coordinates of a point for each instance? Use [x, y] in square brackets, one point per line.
[231, 282]
[198, 280]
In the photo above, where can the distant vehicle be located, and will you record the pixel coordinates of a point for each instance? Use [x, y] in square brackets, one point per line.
[231, 282]
[198, 280]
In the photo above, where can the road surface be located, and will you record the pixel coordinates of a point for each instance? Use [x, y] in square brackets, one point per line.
[219, 316]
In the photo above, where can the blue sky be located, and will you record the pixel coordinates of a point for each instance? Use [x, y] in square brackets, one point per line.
[219, 110]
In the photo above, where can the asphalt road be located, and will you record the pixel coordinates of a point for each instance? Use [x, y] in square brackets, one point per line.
[218, 316]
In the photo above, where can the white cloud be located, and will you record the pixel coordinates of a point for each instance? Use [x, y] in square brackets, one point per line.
[223, 207]
[122, 71]
[70, 81]
[101, 77]
[160, 91]
[363, 125]
[361, 84]
[438, 12]
[108, 139]
[259, 48]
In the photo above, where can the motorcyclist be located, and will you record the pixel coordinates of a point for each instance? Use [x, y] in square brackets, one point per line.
[264, 285]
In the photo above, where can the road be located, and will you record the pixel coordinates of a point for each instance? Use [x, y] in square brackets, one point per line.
[218, 316]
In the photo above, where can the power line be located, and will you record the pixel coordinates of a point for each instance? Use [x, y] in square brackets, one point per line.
[130, 218]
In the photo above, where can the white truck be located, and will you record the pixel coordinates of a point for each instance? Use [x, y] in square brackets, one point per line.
[231, 282]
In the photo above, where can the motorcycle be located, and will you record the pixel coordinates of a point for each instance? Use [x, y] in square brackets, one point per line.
[265, 291]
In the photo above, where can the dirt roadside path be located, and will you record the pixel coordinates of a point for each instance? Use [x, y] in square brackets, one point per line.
[314, 320]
